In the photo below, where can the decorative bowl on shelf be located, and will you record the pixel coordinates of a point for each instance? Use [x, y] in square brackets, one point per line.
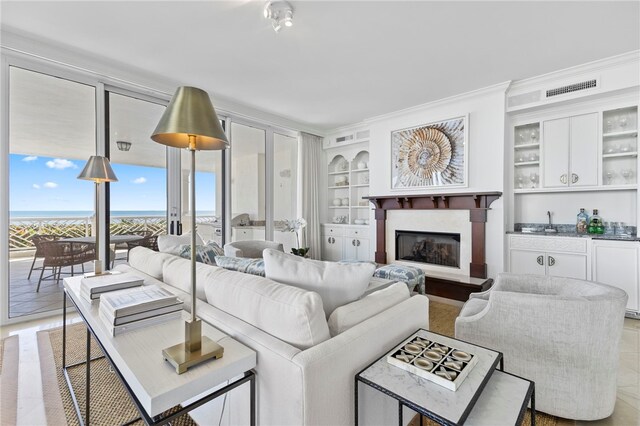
[359, 221]
[337, 202]
[361, 165]
[345, 201]
[341, 180]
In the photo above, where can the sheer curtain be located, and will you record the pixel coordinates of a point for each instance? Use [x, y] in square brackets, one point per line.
[310, 159]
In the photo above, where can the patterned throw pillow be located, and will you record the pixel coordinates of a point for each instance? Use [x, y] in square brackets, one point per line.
[204, 254]
[242, 264]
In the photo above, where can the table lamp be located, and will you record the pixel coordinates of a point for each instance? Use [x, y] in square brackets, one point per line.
[191, 122]
[98, 169]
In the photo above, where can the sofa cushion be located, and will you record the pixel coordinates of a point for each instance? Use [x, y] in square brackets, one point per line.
[290, 314]
[177, 273]
[204, 253]
[172, 243]
[345, 317]
[148, 261]
[241, 264]
[337, 283]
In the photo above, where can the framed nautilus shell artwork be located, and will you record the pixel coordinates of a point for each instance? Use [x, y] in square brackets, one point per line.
[430, 155]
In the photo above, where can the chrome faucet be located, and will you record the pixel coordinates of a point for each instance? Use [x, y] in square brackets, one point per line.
[549, 214]
[549, 228]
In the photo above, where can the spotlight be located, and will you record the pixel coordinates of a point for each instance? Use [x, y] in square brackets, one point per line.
[279, 12]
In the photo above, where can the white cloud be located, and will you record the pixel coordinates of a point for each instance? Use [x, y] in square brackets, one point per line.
[139, 180]
[30, 158]
[60, 164]
[36, 186]
[50, 185]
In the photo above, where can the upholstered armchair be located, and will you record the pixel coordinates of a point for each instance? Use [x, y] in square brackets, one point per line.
[564, 334]
[250, 248]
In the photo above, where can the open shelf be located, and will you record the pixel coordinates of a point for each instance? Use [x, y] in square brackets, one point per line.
[527, 163]
[340, 187]
[626, 133]
[527, 146]
[345, 172]
[620, 154]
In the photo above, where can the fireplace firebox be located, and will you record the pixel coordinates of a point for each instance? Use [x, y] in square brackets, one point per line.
[433, 248]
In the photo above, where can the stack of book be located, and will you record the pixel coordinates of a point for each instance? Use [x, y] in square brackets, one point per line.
[133, 308]
[92, 288]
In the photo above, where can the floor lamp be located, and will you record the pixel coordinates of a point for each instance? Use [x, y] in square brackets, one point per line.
[98, 169]
[191, 122]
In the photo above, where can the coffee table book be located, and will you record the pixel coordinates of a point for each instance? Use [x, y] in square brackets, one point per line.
[91, 288]
[135, 300]
[121, 320]
[117, 330]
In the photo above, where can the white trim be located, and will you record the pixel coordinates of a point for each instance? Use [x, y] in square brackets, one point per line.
[496, 88]
[4, 191]
[532, 83]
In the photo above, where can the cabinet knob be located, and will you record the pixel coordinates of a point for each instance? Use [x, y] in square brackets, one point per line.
[540, 260]
[358, 243]
[574, 178]
[353, 242]
[563, 178]
[552, 261]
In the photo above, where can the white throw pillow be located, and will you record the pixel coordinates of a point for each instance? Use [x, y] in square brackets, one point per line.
[345, 317]
[171, 243]
[336, 283]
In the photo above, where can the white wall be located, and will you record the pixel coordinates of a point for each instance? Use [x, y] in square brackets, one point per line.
[613, 206]
[486, 125]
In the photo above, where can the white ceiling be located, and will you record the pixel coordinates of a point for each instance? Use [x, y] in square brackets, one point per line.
[341, 62]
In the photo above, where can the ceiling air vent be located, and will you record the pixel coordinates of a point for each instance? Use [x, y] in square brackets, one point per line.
[343, 139]
[589, 84]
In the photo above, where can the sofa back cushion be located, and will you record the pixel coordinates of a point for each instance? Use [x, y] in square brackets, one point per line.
[337, 283]
[148, 261]
[288, 313]
[171, 243]
[177, 273]
[345, 317]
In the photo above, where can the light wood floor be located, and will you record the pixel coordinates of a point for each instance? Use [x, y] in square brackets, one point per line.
[31, 408]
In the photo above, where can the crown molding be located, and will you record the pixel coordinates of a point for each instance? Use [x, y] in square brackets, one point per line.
[566, 73]
[495, 88]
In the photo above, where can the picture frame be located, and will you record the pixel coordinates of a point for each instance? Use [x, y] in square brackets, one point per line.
[432, 155]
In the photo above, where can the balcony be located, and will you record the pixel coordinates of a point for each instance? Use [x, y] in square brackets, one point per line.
[23, 298]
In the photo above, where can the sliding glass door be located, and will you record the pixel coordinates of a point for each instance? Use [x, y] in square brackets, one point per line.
[52, 132]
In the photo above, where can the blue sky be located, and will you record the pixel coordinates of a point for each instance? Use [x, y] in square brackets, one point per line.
[51, 184]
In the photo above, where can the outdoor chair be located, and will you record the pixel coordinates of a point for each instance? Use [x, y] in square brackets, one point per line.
[150, 242]
[39, 253]
[60, 254]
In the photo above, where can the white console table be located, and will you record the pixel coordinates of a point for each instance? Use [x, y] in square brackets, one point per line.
[151, 382]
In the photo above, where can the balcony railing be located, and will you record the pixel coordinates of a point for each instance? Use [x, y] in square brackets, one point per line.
[22, 229]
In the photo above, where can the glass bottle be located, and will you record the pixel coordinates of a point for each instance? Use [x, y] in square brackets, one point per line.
[595, 224]
[582, 222]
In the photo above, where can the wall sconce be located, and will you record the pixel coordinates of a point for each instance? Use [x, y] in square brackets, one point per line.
[280, 13]
[123, 145]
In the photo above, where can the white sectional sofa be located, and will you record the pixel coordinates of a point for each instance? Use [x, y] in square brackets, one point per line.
[305, 375]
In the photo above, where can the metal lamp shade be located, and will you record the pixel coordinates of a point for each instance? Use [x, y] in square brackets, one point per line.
[98, 169]
[190, 113]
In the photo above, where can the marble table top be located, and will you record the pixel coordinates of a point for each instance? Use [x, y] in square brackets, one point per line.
[429, 398]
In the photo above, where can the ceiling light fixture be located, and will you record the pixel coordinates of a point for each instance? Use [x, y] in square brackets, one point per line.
[123, 145]
[280, 13]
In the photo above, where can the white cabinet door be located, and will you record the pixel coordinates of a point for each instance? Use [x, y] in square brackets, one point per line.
[555, 153]
[241, 234]
[363, 249]
[583, 150]
[527, 262]
[567, 265]
[616, 263]
[332, 248]
[350, 248]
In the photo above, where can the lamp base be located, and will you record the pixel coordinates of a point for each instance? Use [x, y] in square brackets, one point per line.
[181, 358]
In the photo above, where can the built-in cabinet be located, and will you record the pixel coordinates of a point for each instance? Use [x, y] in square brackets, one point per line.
[245, 233]
[612, 262]
[348, 182]
[550, 256]
[570, 151]
[342, 242]
[596, 150]
[617, 263]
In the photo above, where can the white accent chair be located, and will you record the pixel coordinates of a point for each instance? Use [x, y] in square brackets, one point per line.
[250, 248]
[564, 334]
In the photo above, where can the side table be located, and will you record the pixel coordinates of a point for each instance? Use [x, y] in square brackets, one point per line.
[486, 396]
[150, 381]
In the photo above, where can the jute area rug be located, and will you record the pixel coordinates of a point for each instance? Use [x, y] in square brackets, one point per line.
[110, 402]
[9, 361]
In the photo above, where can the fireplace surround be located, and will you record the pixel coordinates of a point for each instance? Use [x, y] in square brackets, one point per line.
[476, 202]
